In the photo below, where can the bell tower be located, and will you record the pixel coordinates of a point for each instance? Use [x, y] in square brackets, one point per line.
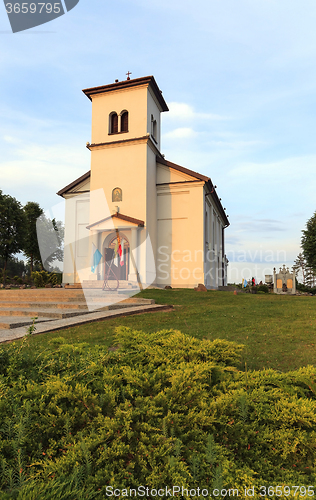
[124, 147]
[125, 110]
[125, 141]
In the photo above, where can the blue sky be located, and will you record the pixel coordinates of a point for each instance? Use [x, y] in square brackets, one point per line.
[240, 81]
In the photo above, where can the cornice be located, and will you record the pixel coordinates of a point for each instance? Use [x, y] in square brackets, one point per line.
[122, 142]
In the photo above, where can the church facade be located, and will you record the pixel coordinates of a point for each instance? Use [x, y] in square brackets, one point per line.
[166, 220]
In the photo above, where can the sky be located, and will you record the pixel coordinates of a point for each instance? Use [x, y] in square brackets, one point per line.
[239, 78]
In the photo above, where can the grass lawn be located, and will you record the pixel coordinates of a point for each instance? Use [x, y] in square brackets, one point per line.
[278, 331]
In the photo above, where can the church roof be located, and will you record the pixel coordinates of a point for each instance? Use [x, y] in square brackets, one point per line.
[128, 84]
[184, 170]
[75, 183]
[200, 177]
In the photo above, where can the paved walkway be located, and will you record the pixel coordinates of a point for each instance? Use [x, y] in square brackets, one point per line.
[60, 324]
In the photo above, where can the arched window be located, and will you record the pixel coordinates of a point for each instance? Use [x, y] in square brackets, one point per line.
[113, 123]
[117, 194]
[124, 121]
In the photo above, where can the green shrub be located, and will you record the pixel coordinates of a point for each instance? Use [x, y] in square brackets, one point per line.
[42, 278]
[305, 288]
[263, 288]
[162, 409]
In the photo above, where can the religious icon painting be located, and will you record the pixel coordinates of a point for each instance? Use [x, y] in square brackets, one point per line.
[117, 194]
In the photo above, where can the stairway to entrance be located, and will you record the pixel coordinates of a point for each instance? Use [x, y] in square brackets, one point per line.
[18, 307]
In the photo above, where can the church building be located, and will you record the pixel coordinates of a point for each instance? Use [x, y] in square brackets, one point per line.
[153, 221]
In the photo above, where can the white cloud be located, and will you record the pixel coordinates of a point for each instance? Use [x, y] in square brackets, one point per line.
[39, 157]
[260, 225]
[184, 112]
[9, 139]
[237, 145]
[36, 173]
[180, 133]
[284, 178]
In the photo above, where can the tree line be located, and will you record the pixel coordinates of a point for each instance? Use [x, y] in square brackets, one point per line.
[18, 234]
[306, 260]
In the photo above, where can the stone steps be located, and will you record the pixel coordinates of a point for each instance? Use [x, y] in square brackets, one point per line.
[48, 304]
[98, 284]
[18, 307]
[41, 295]
[10, 322]
[40, 311]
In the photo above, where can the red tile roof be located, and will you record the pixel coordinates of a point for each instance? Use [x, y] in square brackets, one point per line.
[127, 84]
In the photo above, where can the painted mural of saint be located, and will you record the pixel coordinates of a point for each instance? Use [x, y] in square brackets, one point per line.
[117, 194]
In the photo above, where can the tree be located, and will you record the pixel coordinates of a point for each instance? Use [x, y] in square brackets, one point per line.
[308, 242]
[15, 267]
[12, 227]
[310, 277]
[300, 266]
[32, 211]
[308, 274]
[50, 235]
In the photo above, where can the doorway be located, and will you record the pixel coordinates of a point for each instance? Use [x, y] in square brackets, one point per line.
[120, 266]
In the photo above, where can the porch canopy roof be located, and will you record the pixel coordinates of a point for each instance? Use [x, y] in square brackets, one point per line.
[116, 221]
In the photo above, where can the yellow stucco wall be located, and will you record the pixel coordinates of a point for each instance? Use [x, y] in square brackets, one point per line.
[134, 100]
[122, 166]
[180, 256]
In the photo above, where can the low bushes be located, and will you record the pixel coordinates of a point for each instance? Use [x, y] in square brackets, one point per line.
[305, 288]
[42, 278]
[162, 409]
